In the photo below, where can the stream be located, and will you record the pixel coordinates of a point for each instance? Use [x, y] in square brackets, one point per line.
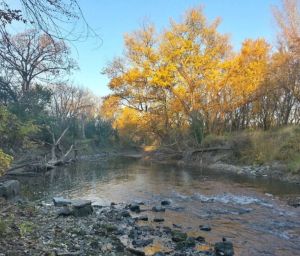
[250, 212]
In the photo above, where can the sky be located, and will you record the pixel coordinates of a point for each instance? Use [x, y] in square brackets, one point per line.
[111, 19]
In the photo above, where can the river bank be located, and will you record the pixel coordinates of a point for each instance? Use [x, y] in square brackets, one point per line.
[220, 161]
[119, 229]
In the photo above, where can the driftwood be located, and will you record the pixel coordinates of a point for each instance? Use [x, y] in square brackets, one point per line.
[56, 159]
[201, 150]
[21, 166]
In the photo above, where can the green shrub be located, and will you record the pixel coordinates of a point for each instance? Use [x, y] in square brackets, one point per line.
[5, 161]
[3, 228]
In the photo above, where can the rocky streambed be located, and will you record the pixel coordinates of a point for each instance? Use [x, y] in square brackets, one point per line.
[76, 227]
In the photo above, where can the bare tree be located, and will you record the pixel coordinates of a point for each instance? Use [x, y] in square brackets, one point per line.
[33, 55]
[61, 19]
[72, 102]
[288, 20]
[288, 71]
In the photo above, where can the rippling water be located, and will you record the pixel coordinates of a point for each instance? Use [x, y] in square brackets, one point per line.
[250, 212]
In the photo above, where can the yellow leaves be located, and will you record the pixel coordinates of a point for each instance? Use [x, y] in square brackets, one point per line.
[188, 69]
[5, 161]
[110, 107]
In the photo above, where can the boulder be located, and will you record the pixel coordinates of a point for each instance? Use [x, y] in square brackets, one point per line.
[82, 208]
[224, 248]
[60, 201]
[64, 211]
[9, 189]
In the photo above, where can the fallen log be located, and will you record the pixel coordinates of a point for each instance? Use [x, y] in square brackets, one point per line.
[201, 150]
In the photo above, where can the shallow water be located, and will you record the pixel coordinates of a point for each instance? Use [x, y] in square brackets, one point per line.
[250, 212]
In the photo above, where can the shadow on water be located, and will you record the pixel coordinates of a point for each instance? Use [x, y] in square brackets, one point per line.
[249, 211]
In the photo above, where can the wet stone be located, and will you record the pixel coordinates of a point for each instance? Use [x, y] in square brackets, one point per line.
[158, 209]
[158, 219]
[143, 218]
[165, 202]
[135, 208]
[224, 248]
[177, 226]
[200, 239]
[205, 227]
[125, 214]
[178, 236]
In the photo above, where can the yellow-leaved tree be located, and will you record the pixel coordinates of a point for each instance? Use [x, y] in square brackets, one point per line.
[184, 80]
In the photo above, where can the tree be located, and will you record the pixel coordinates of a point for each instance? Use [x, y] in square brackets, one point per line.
[288, 20]
[32, 55]
[72, 106]
[184, 81]
[61, 19]
[288, 56]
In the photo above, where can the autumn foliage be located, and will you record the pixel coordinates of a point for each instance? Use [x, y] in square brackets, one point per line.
[187, 81]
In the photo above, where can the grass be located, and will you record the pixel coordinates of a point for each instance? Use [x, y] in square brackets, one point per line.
[3, 228]
[26, 227]
[263, 147]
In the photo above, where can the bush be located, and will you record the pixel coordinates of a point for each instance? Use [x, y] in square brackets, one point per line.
[14, 132]
[5, 161]
[3, 228]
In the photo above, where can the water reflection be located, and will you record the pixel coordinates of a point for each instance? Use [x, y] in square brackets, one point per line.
[236, 207]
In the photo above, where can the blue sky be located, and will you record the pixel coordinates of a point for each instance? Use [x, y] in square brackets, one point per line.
[113, 18]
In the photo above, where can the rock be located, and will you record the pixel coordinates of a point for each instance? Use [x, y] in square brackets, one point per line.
[158, 209]
[65, 211]
[165, 202]
[9, 189]
[177, 226]
[125, 214]
[82, 208]
[158, 219]
[142, 242]
[143, 218]
[60, 201]
[135, 251]
[178, 236]
[135, 208]
[67, 253]
[205, 228]
[190, 242]
[200, 239]
[224, 248]
[295, 202]
[167, 230]
[159, 254]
